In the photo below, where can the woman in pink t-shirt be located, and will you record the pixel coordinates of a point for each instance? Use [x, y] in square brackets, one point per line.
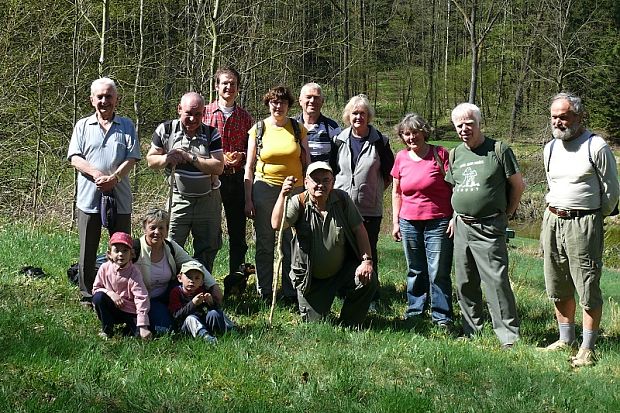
[421, 214]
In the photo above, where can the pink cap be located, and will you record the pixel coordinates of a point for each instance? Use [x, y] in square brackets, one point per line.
[121, 238]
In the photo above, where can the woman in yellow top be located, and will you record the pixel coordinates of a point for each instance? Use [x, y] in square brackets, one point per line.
[277, 148]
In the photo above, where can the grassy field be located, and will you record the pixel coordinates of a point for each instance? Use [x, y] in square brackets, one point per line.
[53, 360]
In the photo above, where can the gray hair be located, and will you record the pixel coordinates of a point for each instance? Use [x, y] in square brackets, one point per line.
[467, 110]
[574, 101]
[193, 96]
[413, 122]
[155, 215]
[360, 100]
[311, 86]
[106, 81]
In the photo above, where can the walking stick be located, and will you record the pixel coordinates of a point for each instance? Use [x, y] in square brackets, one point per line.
[276, 275]
[172, 180]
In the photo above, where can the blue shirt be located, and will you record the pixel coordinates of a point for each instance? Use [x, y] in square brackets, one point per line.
[105, 152]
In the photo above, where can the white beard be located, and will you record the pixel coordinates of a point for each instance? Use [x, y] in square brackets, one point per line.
[567, 134]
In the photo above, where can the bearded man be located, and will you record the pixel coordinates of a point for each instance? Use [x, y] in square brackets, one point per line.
[583, 188]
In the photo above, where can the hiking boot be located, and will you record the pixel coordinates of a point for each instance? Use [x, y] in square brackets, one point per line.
[209, 338]
[561, 346]
[584, 358]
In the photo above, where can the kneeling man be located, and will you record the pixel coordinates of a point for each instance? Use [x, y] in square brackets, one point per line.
[331, 251]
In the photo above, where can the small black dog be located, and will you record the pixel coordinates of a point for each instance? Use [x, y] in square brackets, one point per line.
[235, 283]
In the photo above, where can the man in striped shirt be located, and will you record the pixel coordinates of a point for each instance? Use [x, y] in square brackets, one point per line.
[191, 152]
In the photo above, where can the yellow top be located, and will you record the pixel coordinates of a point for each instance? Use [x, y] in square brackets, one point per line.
[280, 155]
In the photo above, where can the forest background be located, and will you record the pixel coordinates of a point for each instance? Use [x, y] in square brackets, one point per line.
[509, 57]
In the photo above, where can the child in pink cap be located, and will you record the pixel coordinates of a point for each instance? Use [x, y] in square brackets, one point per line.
[119, 293]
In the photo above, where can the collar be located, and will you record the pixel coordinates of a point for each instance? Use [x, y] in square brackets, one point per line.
[373, 134]
[214, 107]
[93, 119]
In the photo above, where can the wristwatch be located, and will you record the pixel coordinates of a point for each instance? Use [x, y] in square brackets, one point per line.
[366, 257]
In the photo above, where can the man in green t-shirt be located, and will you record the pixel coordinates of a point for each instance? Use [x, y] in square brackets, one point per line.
[487, 190]
[331, 251]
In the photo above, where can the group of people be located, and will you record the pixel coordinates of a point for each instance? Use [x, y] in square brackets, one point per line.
[323, 187]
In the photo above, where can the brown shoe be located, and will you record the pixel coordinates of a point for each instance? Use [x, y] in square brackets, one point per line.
[584, 358]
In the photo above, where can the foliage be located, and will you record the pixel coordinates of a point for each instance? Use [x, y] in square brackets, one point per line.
[54, 361]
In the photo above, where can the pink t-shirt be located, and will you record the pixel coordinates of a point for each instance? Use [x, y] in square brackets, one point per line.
[425, 194]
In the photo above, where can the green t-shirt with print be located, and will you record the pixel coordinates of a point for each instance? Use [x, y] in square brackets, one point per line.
[479, 179]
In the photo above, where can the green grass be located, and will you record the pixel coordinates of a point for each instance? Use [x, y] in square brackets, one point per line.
[54, 361]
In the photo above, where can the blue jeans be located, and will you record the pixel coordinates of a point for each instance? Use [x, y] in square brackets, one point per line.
[159, 315]
[428, 252]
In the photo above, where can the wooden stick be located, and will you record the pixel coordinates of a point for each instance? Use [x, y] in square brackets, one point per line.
[172, 181]
[277, 273]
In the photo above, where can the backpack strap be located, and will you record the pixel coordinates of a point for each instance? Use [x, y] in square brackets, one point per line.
[302, 152]
[451, 155]
[137, 249]
[296, 130]
[438, 160]
[596, 170]
[386, 158]
[551, 151]
[168, 131]
[497, 146]
[260, 131]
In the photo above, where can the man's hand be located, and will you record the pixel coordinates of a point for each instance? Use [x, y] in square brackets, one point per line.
[234, 159]
[249, 210]
[177, 156]
[116, 299]
[106, 183]
[288, 185]
[364, 272]
[450, 229]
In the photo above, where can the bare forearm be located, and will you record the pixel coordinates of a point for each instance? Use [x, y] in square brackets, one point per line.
[210, 166]
[517, 187]
[278, 212]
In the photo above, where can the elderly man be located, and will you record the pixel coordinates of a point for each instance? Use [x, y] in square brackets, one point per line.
[321, 129]
[487, 190]
[103, 149]
[233, 123]
[191, 152]
[583, 189]
[331, 251]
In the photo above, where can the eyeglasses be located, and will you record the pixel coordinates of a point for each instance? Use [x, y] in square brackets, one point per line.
[278, 102]
[324, 182]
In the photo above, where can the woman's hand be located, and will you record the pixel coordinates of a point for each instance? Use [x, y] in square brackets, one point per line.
[396, 232]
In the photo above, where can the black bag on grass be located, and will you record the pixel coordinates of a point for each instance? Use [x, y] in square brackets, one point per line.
[73, 272]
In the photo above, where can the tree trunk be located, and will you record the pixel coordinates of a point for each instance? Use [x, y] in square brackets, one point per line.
[473, 81]
[136, 86]
[104, 29]
[214, 46]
